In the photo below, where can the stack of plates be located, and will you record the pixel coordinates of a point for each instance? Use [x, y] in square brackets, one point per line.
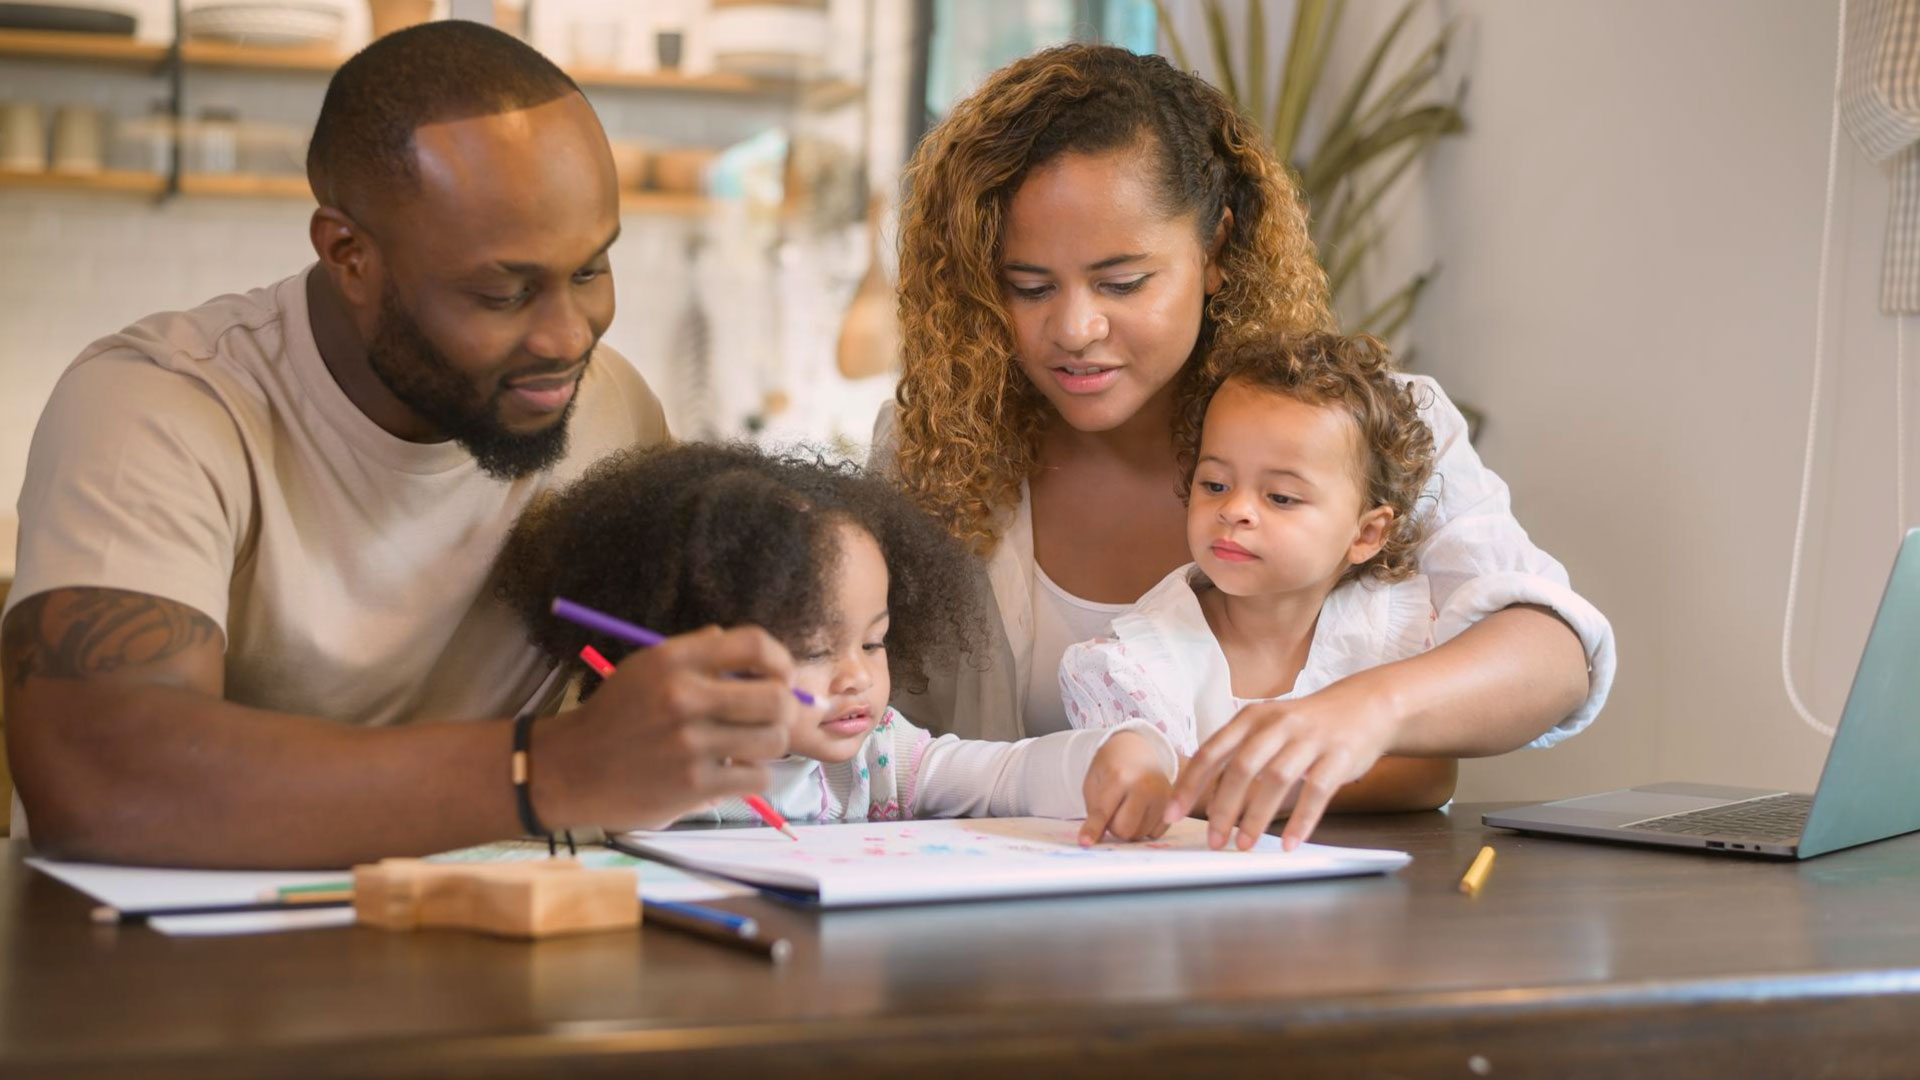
[769, 39]
[289, 23]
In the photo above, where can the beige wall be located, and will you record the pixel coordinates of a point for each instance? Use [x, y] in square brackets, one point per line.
[1630, 237]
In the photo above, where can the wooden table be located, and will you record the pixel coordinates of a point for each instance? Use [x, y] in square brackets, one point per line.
[1576, 960]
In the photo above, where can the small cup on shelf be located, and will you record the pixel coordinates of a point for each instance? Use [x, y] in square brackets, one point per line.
[215, 145]
[23, 137]
[669, 44]
[79, 140]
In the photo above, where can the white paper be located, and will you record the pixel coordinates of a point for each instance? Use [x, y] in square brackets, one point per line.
[138, 888]
[918, 861]
[134, 888]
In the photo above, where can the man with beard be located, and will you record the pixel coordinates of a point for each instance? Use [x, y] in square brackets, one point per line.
[253, 623]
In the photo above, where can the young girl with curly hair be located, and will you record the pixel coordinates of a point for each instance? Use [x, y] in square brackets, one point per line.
[864, 590]
[1080, 238]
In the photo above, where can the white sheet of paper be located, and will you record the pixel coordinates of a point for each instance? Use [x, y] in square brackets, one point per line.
[134, 888]
[964, 859]
[137, 888]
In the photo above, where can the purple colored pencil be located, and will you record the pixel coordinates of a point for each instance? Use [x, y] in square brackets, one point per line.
[624, 630]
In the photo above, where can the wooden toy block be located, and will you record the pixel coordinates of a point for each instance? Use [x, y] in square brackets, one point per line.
[512, 899]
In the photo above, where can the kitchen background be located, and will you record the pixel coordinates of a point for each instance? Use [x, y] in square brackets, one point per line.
[1627, 236]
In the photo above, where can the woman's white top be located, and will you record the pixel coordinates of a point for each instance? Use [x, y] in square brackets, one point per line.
[1162, 666]
[1060, 619]
[1476, 559]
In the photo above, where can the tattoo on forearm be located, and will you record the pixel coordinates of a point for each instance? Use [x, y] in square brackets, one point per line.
[82, 633]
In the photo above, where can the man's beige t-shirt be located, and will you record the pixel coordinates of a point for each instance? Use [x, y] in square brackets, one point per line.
[208, 457]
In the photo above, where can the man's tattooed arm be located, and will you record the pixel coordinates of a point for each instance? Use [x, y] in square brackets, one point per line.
[95, 633]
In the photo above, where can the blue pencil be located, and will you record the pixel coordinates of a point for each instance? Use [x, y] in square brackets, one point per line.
[744, 925]
[722, 927]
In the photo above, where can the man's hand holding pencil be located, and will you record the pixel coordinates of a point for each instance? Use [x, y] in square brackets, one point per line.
[689, 721]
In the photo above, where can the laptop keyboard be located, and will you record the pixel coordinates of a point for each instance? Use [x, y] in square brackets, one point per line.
[1775, 818]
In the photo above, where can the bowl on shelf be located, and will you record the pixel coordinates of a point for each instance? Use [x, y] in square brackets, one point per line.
[769, 39]
[269, 23]
[68, 18]
[682, 170]
[631, 161]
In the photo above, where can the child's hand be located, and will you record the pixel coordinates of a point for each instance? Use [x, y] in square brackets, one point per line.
[1278, 754]
[1126, 791]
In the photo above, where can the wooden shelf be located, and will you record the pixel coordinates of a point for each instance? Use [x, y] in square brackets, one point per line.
[105, 47]
[715, 83]
[216, 54]
[246, 186]
[663, 202]
[112, 182]
[276, 186]
[219, 54]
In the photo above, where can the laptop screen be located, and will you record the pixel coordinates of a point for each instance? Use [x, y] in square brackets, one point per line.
[1868, 789]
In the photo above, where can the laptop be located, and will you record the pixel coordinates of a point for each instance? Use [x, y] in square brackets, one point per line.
[1868, 789]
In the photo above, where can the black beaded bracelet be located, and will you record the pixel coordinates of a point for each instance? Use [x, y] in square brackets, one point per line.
[522, 775]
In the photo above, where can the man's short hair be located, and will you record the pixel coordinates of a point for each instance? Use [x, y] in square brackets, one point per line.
[427, 74]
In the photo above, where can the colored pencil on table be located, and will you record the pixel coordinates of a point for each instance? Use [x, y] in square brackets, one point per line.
[1476, 875]
[309, 894]
[603, 667]
[107, 914]
[720, 927]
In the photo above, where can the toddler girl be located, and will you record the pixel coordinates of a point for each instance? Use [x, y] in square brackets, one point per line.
[1303, 467]
[864, 589]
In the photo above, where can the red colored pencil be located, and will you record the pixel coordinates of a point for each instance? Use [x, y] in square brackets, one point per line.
[771, 816]
[603, 668]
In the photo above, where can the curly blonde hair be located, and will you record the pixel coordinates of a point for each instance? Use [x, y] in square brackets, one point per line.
[969, 419]
[1354, 373]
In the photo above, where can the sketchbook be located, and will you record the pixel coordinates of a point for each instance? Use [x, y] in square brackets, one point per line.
[906, 862]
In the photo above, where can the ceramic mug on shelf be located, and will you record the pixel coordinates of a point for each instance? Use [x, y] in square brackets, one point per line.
[213, 143]
[23, 137]
[79, 140]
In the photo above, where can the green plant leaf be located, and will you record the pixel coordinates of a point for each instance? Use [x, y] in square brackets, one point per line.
[1354, 206]
[1314, 24]
[1256, 105]
[1386, 319]
[1414, 80]
[1374, 135]
[1337, 152]
[1218, 36]
[1340, 139]
[1325, 171]
[1345, 256]
[1343, 114]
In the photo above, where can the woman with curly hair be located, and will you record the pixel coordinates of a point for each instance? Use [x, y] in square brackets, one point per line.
[864, 590]
[1082, 239]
